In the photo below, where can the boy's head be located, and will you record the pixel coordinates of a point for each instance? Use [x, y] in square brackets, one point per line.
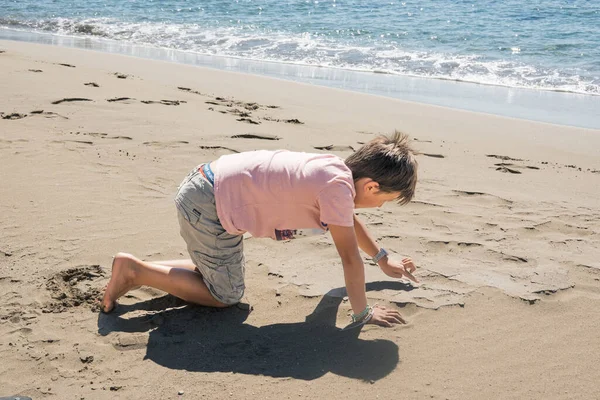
[385, 167]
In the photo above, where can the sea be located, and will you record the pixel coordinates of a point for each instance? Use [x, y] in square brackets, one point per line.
[532, 59]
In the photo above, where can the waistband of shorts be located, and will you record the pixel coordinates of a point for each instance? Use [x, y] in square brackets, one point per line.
[207, 173]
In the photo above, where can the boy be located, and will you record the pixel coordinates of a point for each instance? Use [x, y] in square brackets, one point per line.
[277, 194]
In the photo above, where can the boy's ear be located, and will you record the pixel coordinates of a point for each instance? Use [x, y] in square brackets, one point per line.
[372, 187]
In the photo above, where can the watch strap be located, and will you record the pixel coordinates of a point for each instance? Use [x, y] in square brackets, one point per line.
[377, 257]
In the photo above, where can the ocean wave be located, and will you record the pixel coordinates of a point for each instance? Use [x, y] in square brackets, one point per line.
[58, 25]
[317, 50]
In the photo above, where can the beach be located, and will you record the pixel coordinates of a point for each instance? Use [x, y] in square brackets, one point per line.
[504, 229]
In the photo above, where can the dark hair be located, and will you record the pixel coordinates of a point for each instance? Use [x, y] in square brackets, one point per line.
[389, 161]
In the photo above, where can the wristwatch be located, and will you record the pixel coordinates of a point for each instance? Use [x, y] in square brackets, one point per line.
[382, 253]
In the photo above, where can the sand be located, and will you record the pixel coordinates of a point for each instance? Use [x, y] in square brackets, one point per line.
[505, 230]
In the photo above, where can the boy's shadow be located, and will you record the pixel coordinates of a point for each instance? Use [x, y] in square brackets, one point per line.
[210, 340]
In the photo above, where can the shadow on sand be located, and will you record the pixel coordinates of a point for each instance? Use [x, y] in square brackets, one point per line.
[210, 340]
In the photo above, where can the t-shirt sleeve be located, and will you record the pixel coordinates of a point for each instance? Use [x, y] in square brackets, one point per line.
[336, 204]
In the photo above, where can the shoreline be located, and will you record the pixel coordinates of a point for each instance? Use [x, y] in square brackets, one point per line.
[555, 107]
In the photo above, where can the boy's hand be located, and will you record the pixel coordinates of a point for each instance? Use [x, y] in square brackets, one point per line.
[384, 317]
[395, 270]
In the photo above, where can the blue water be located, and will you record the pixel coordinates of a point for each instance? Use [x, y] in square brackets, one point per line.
[542, 44]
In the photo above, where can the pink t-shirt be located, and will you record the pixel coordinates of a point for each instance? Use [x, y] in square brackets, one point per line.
[282, 194]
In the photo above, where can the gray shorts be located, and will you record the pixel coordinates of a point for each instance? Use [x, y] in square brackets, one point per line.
[218, 255]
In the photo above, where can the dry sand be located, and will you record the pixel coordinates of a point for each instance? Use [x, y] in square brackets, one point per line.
[505, 229]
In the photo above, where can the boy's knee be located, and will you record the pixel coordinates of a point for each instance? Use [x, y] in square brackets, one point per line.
[228, 301]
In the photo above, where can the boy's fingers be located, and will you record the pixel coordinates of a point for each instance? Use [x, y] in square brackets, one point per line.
[398, 319]
[402, 273]
[410, 276]
[405, 274]
[388, 317]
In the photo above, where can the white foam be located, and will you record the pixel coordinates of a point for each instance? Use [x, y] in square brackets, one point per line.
[251, 43]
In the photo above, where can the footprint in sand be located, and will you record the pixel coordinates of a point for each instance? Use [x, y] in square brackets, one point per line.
[245, 116]
[126, 100]
[70, 99]
[503, 158]
[185, 89]
[223, 101]
[92, 84]
[66, 65]
[93, 134]
[515, 166]
[255, 136]
[36, 70]
[165, 102]
[72, 288]
[250, 106]
[508, 170]
[119, 137]
[248, 120]
[433, 155]
[294, 121]
[239, 113]
[89, 142]
[218, 148]
[512, 168]
[47, 114]
[13, 116]
[101, 135]
[172, 143]
[332, 147]
[120, 75]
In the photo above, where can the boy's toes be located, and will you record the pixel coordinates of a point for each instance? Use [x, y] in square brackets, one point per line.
[108, 308]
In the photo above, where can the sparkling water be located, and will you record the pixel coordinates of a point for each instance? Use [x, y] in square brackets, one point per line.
[553, 45]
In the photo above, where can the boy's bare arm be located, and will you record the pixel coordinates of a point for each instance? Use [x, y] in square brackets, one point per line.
[354, 275]
[354, 270]
[365, 241]
[369, 246]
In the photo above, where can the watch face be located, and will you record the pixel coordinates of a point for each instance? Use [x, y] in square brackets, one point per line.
[382, 253]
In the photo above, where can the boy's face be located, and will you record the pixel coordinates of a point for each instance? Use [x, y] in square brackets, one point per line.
[368, 194]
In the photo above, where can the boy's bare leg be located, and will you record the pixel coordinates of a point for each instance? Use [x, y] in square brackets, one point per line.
[187, 264]
[129, 272]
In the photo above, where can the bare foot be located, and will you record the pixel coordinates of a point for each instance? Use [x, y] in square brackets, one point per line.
[121, 280]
